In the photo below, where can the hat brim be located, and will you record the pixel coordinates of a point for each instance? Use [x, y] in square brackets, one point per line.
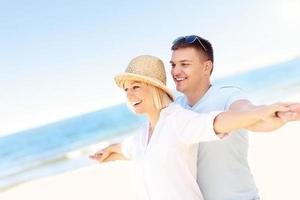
[120, 78]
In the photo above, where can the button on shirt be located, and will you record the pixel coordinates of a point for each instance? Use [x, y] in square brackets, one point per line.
[167, 164]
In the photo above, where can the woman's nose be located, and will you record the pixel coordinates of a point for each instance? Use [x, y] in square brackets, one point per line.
[129, 93]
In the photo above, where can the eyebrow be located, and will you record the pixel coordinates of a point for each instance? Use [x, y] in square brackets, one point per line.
[129, 84]
[181, 61]
[134, 82]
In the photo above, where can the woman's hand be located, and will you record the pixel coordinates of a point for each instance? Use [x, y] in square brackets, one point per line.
[274, 116]
[294, 108]
[110, 153]
[270, 112]
[101, 155]
[256, 118]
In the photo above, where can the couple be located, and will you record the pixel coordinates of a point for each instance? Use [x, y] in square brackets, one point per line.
[199, 141]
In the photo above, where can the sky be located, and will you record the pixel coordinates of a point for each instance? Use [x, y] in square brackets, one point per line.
[58, 57]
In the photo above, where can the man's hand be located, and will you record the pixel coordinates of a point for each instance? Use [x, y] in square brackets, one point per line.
[275, 116]
[296, 109]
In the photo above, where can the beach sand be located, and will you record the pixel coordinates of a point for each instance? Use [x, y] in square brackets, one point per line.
[273, 159]
[107, 181]
[275, 162]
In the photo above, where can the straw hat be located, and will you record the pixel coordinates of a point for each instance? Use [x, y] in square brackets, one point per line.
[147, 69]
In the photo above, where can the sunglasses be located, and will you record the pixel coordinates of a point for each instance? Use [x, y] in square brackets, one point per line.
[190, 39]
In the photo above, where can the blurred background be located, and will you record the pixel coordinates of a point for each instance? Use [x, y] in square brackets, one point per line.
[58, 101]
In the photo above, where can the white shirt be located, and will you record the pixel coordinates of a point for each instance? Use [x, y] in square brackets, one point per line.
[168, 164]
[223, 170]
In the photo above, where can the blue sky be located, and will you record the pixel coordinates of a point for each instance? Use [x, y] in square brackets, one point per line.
[58, 58]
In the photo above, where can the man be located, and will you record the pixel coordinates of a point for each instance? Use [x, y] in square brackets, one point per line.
[223, 170]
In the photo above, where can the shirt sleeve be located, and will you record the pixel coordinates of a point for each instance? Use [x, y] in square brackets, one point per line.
[235, 95]
[128, 146]
[192, 127]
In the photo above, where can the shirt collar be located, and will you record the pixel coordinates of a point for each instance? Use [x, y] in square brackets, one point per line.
[201, 100]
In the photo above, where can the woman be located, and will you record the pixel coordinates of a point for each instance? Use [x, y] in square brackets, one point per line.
[166, 149]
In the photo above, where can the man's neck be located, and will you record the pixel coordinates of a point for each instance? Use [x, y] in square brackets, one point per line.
[195, 96]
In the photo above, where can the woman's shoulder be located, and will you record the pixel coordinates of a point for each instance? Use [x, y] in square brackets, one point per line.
[176, 110]
[171, 108]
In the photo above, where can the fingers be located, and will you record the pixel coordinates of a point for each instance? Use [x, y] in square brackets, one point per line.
[114, 157]
[280, 107]
[286, 103]
[95, 156]
[104, 156]
[295, 107]
[287, 116]
[292, 114]
[292, 106]
[101, 155]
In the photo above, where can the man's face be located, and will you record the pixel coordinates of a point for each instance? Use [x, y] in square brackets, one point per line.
[189, 69]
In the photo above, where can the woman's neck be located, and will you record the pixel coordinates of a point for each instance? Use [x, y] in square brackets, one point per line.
[153, 117]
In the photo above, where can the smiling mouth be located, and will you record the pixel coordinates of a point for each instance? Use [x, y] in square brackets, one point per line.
[179, 79]
[136, 103]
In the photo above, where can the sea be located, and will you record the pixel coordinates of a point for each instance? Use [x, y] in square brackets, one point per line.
[65, 145]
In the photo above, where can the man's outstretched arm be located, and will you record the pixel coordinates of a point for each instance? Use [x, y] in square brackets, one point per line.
[272, 122]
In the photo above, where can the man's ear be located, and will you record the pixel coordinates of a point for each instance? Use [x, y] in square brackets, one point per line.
[208, 67]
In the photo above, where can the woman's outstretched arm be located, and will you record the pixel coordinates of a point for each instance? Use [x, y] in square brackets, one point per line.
[266, 116]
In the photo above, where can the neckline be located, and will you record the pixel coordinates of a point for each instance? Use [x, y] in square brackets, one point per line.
[148, 141]
[202, 99]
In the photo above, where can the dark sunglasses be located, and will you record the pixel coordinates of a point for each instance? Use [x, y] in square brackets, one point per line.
[189, 39]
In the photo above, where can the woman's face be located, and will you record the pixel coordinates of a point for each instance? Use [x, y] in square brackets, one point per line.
[139, 97]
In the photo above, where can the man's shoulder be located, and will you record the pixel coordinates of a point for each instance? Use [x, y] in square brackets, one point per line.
[227, 89]
[217, 97]
[214, 90]
[225, 92]
[227, 95]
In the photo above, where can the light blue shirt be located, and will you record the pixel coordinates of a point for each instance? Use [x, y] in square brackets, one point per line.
[223, 170]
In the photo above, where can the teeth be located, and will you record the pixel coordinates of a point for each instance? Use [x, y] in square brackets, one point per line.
[179, 79]
[136, 102]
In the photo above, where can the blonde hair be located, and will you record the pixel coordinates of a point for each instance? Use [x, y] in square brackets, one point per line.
[159, 97]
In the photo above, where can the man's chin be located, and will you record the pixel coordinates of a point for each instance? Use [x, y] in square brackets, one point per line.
[180, 88]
